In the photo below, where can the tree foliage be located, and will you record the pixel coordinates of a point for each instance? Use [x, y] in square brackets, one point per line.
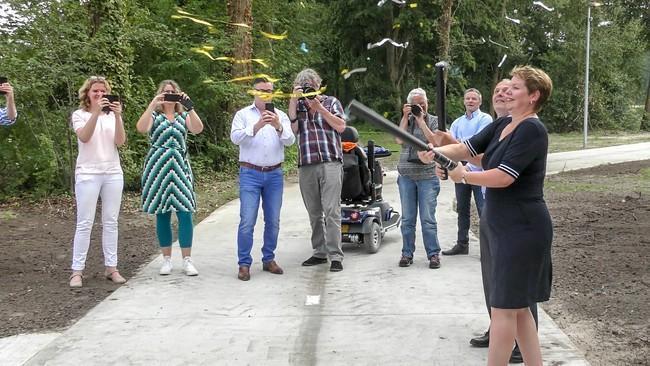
[47, 49]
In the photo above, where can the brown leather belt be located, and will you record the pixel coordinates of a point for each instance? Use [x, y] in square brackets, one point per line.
[260, 168]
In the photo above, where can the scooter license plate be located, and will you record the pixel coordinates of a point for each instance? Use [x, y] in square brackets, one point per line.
[345, 228]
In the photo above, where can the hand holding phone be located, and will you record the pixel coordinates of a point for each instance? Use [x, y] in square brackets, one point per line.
[171, 97]
[111, 99]
[269, 107]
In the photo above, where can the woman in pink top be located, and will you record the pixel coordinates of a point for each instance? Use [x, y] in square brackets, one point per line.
[100, 130]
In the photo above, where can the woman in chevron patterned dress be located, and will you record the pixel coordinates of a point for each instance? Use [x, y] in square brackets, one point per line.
[167, 181]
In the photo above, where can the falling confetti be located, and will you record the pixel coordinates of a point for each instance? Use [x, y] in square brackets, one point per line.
[346, 74]
[275, 36]
[502, 61]
[539, 3]
[498, 44]
[303, 47]
[252, 77]
[398, 2]
[380, 43]
[516, 21]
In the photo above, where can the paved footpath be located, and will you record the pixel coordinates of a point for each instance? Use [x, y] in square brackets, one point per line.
[372, 313]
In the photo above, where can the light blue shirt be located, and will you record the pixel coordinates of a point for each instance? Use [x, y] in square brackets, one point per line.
[4, 118]
[463, 128]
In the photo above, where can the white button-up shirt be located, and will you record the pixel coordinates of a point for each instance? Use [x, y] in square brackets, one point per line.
[266, 147]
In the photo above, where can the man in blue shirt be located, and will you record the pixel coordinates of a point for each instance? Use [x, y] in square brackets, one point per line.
[464, 127]
[8, 114]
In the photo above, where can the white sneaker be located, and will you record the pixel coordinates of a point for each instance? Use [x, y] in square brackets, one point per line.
[189, 268]
[166, 267]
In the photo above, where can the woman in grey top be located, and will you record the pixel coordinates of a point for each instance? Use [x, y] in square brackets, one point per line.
[418, 184]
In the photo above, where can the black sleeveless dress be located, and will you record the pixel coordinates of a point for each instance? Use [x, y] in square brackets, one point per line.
[517, 221]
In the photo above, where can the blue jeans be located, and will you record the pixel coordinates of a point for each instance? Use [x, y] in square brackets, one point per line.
[254, 185]
[463, 206]
[422, 194]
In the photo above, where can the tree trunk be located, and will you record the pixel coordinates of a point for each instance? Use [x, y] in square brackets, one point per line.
[241, 11]
[444, 30]
[645, 121]
[396, 68]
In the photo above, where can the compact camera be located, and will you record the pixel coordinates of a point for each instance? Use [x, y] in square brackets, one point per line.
[416, 110]
[111, 99]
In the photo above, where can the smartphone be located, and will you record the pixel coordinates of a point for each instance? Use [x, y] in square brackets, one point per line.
[170, 97]
[2, 81]
[269, 107]
[111, 98]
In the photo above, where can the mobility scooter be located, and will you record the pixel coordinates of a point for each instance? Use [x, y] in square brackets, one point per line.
[365, 216]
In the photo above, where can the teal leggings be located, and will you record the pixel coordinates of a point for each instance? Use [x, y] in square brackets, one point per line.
[164, 229]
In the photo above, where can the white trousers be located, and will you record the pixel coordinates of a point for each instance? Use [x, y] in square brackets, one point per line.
[89, 187]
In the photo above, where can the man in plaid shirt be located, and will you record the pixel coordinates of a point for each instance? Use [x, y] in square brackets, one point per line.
[318, 121]
[8, 114]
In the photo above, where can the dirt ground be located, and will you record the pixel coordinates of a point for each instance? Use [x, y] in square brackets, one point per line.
[601, 255]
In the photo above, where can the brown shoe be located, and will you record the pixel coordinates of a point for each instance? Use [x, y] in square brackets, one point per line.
[244, 273]
[272, 267]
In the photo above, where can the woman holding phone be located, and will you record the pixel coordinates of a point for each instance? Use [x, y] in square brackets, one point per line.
[167, 180]
[100, 131]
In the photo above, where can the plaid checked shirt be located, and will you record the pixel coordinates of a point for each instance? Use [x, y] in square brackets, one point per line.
[4, 119]
[318, 141]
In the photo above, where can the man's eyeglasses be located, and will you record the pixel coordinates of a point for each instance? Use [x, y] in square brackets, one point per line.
[265, 90]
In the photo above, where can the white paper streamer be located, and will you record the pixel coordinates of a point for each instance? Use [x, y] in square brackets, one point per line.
[380, 43]
[398, 2]
[358, 69]
[539, 3]
[516, 21]
[498, 44]
[502, 61]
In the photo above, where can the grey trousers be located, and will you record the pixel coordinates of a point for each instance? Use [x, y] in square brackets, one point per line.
[320, 186]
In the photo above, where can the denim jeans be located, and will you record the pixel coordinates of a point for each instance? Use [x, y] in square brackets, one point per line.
[463, 206]
[419, 194]
[254, 185]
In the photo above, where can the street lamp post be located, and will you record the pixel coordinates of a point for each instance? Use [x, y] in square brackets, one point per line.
[586, 108]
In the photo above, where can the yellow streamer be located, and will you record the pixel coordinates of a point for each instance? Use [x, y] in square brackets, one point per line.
[282, 36]
[198, 21]
[414, 5]
[252, 77]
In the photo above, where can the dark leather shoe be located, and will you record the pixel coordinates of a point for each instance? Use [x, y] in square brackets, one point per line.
[312, 261]
[405, 261]
[272, 267]
[482, 341]
[457, 249]
[516, 356]
[244, 273]
[336, 266]
[434, 261]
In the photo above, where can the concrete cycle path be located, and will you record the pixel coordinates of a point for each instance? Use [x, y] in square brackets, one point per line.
[372, 313]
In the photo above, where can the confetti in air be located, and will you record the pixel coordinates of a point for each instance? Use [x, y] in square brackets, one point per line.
[539, 3]
[502, 61]
[498, 44]
[303, 47]
[346, 74]
[398, 2]
[380, 43]
[516, 21]
[275, 36]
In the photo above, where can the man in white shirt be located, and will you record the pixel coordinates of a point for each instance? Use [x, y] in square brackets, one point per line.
[464, 127]
[261, 134]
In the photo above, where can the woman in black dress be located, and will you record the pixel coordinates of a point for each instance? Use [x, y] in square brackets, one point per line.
[517, 223]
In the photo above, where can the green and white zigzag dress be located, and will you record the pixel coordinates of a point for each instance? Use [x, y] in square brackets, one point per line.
[167, 181]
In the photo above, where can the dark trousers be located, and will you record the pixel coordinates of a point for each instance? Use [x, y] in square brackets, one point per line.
[486, 266]
[463, 206]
